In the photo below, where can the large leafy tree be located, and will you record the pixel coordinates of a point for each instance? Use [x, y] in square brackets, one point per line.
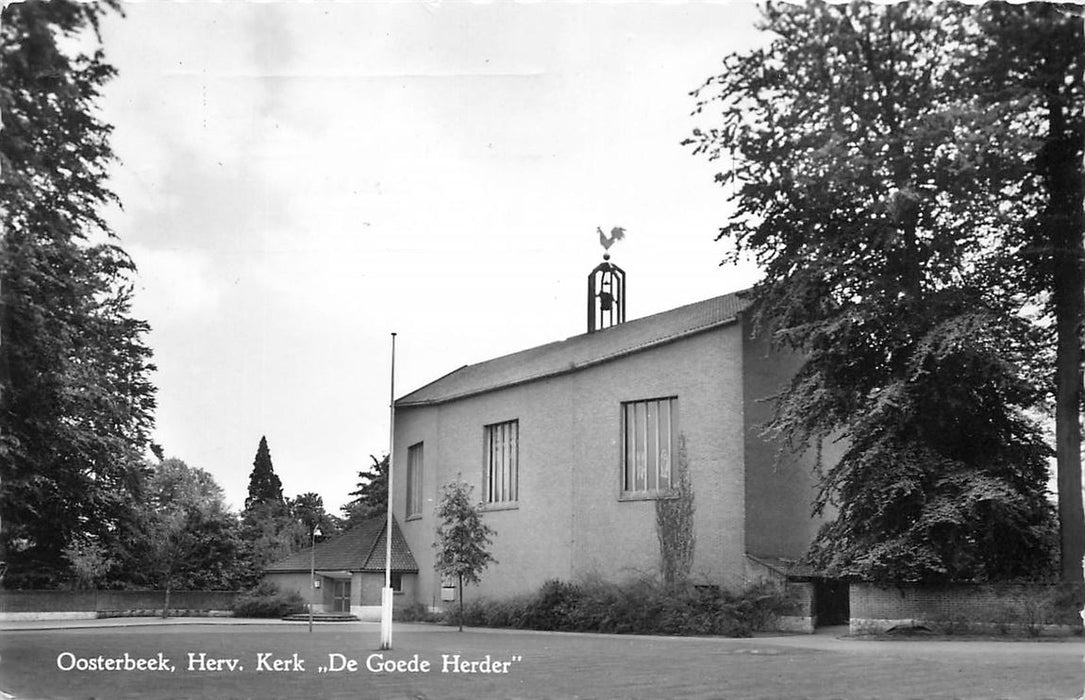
[269, 532]
[875, 197]
[1029, 66]
[308, 510]
[76, 408]
[185, 537]
[371, 495]
[273, 530]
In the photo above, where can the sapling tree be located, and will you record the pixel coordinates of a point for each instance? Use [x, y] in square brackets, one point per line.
[462, 538]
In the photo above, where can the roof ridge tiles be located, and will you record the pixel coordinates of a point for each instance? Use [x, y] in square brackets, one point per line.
[579, 351]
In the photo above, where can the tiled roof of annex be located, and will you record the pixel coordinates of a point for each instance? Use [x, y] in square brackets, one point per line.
[580, 351]
[361, 548]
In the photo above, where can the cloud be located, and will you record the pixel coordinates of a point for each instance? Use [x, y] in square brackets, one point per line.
[300, 179]
[174, 283]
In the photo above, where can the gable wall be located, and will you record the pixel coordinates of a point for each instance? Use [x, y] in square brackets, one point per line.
[615, 538]
[780, 487]
[570, 521]
[532, 539]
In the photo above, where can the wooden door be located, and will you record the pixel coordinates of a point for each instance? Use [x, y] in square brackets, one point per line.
[341, 595]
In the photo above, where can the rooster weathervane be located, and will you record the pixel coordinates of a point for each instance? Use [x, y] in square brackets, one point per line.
[616, 234]
[606, 286]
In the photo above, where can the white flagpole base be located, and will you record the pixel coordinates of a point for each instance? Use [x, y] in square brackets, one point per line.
[386, 617]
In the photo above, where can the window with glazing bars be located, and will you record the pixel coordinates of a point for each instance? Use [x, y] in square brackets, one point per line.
[649, 444]
[503, 462]
[414, 480]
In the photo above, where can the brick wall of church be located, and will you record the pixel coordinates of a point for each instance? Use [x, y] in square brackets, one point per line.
[570, 520]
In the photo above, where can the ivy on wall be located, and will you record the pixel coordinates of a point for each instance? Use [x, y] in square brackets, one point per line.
[674, 521]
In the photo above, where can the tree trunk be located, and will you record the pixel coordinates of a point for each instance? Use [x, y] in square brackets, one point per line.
[461, 602]
[1068, 319]
[166, 606]
[1065, 226]
[1068, 448]
[5, 384]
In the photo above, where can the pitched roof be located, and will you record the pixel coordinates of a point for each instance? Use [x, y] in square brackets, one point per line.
[361, 548]
[793, 569]
[580, 351]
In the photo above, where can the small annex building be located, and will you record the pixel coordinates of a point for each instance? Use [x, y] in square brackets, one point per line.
[569, 446]
[348, 571]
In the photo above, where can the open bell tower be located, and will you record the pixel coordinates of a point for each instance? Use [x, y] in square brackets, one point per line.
[606, 287]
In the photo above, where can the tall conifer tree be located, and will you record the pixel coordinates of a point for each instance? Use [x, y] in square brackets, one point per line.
[264, 484]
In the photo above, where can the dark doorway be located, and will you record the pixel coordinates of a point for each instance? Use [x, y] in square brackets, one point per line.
[341, 596]
[831, 602]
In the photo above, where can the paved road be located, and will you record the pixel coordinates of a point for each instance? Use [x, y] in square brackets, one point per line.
[282, 660]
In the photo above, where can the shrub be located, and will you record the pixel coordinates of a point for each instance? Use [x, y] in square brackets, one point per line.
[553, 607]
[267, 601]
[473, 613]
[638, 606]
[760, 604]
[1067, 600]
[1032, 607]
[265, 588]
[418, 612]
[489, 613]
[1022, 609]
[1036, 610]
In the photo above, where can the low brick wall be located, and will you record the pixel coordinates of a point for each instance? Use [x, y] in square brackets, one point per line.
[968, 608]
[802, 619]
[16, 605]
[48, 601]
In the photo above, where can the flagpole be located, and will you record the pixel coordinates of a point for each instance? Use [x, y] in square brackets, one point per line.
[386, 592]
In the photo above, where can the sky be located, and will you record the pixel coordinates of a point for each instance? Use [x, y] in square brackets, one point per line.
[300, 180]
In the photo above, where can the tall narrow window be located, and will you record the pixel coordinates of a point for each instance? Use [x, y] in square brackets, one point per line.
[649, 444]
[414, 480]
[503, 462]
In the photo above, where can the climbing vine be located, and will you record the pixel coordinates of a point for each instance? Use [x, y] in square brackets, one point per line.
[674, 521]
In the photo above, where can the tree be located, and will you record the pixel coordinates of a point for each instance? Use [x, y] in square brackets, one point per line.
[269, 532]
[273, 527]
[77, 407]
[371, 495]
[308, 509]
[871, 191]
[1029, 65]
[462, 538]
[90, 562]
[264, 484]
[186, 536]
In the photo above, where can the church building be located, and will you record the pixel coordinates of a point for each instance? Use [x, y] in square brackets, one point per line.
[569, 446]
